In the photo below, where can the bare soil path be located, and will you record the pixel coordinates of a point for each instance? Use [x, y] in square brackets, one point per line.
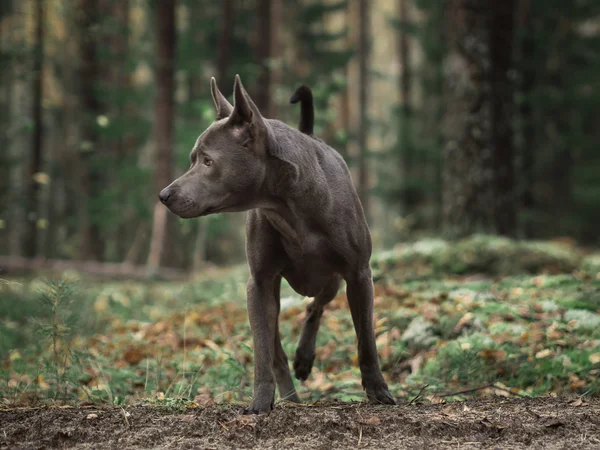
[544, 423]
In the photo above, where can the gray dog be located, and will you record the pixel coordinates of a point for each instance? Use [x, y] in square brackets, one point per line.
[305, 223]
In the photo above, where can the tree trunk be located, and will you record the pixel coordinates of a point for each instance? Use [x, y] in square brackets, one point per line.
[7, 202]
[527, 119]
[91, 247]
[262, 96]
[363, 95]
[501, 26]
[163, 125]
[35, 162]
[468, 175]
[122, 82]
[404, 140]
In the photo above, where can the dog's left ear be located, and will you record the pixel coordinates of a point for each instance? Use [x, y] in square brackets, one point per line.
[224, 108]
[245, 112]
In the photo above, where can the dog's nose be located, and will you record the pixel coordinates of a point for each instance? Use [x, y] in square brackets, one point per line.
[164, 195]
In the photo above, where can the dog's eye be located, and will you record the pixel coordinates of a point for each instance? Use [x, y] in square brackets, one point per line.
[207, 161]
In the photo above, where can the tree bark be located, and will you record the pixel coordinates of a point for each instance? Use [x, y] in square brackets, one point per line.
[501, 27]
[468, 175]
[163, 125]
[262, 96]
[35, 162]
[363, 82]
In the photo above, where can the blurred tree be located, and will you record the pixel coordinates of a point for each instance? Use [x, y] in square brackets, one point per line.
[501, 34]
[468, 173]
[262, 94]
[364, 48]
[527, 69]
[90, 175]
[404, 129]
[34, 169]
[163, 124]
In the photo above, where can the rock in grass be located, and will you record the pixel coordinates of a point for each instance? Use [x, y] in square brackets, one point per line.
[419, 333]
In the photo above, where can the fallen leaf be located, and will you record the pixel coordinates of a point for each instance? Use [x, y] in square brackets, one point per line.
[578, 402]
[543, 353]
[595, 358]
[374, 420]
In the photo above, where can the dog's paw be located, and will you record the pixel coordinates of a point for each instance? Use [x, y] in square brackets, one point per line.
[380, 396]
[255, 408]
[303, 366]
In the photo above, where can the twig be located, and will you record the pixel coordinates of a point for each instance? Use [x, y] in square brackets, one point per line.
[466, 391]
[125, 417]
[479, 388]
[418, 395]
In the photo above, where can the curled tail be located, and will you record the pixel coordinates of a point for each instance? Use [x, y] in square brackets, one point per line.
[307, 112]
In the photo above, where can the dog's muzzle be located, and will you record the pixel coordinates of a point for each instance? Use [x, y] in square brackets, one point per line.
[166, 195]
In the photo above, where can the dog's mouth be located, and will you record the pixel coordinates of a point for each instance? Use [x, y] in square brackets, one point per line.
[213, 210]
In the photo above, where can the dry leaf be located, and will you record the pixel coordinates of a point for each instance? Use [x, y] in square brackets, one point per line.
[543, 353]
[578, 402]
[595, 358]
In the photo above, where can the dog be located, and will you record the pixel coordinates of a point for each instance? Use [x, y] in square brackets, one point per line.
[305, 223]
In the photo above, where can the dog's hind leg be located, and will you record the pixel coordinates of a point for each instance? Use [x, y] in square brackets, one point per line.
[281, 366]
[360, 300]
[305, 353]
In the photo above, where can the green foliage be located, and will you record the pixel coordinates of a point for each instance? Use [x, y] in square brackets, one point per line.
[478, 254]
[176, 344]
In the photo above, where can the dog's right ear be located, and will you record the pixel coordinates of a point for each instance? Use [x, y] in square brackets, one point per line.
[224, 108]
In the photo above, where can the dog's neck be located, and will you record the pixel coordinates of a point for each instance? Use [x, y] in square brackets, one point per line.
[288, 188]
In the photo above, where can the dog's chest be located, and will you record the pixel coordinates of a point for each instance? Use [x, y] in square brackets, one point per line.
[311, 263]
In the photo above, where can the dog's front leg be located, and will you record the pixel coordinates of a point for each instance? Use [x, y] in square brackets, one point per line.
[360, 299]
[259, 294]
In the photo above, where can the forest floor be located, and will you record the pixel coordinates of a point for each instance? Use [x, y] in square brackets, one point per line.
[488, 343]
[541, 423]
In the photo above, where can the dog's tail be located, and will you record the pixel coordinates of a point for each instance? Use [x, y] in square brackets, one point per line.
[307, 111]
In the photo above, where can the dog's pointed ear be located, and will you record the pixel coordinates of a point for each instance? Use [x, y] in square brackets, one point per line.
[244, 109]
[224, 108]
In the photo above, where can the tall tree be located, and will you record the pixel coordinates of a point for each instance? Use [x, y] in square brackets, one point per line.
[404, 141]
[262, 96]
[468, 175]
[91, 246]
[364, 20]
[35, 160]
[527, 76]
[501, 33]
[163, 124]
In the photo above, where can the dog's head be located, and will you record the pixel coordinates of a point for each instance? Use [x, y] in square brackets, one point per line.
[227, 162]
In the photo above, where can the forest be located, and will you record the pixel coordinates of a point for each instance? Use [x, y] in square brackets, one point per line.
[469, 129]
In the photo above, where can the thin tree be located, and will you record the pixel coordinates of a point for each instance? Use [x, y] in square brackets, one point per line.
[163, 124]
[405, 80]
[501, 25]
[35, 160]
[90, 175]
[363, 102]
[468, 181]
[528, 76]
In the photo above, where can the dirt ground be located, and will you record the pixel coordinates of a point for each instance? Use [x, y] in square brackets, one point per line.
[547, 423]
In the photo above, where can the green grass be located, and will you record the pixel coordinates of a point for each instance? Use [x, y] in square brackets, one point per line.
[172, 344]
